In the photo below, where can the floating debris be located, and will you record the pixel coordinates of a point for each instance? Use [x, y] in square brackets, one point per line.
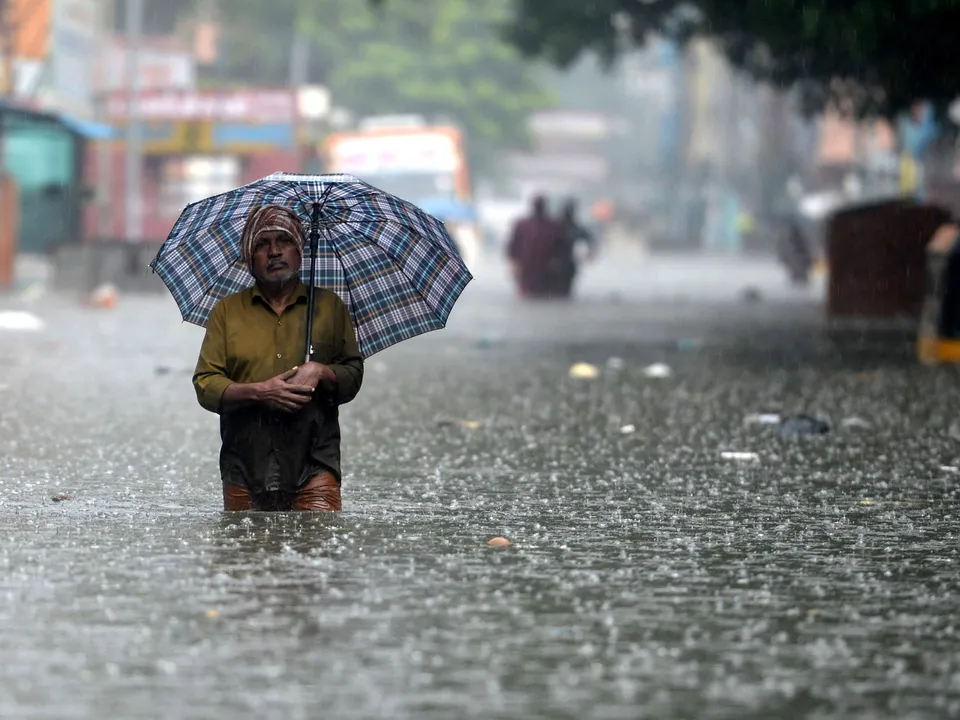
[658, 371]
[104, 297]
[468, 424]
[498, 542]
[20, 321]
[954, 431]
[489, 341]
[62, 497]
[212, 613]
[855, 423]
[688, 344]
[628, 429]
[762, 419]
[803, 425]
[740, 456]
[584, 371]
[33, 292]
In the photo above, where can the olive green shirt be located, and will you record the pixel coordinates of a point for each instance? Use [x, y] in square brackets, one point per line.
[247, 342]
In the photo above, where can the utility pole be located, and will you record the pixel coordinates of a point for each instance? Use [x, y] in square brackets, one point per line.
[299, 60]
[134, 136]
[299, 48]
[298, 77]
[731, 159]
[105, 149]
[9, 42]
[8, 29]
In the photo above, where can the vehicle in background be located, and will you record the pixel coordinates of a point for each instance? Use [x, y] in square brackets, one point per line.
[423, 163]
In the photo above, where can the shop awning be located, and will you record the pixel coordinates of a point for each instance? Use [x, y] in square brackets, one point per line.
[84, 128]
[87, 128]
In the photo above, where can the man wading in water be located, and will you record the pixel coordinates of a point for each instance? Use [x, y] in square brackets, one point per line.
[279, 423]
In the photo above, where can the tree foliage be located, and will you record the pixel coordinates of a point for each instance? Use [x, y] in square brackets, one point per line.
[433, 57]
[439, 57]
[873, 56]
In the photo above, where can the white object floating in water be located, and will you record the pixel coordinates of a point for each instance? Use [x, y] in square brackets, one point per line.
[949, 469]
[584, 371]
[18, 320]
[104, 296]
[628, 429]
[854, 422]
[33, 293]
[658, 370]
[762, 419]
[740, 456]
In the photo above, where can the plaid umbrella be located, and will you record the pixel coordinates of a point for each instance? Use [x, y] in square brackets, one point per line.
[395, 266]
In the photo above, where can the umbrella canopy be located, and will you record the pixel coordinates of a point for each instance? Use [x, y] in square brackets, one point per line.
[393, 265]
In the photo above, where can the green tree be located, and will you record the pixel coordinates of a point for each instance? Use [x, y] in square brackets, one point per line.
[433, 57]
[877, 56]
[441, 57]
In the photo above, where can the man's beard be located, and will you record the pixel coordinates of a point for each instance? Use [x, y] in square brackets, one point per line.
[281, 280]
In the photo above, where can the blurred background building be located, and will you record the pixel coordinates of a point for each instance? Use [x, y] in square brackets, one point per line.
[117, 113]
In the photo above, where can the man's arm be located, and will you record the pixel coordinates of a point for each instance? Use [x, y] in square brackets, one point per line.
[278, 392]
[347, 365]
[210, 379]
[337, 382]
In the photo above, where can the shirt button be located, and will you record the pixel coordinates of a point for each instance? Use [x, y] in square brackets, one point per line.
[279, 356]
[280, 322]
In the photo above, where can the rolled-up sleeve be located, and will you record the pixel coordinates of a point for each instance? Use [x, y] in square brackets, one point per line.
[348, 364]
[210, 376]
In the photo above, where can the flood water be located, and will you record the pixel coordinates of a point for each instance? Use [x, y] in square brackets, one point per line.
[648, 576]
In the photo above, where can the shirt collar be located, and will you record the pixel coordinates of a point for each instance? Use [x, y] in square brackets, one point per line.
[299, 294]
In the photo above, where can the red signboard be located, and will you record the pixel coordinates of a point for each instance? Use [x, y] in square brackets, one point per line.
[263, 106]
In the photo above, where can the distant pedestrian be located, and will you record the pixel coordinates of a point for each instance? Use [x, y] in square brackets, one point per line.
[533, 250]
[795, 253]
[575, 235]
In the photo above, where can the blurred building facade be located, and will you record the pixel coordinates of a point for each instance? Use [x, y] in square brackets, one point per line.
[678, 144]
[198, 143]
[46, 119]
[54, 55]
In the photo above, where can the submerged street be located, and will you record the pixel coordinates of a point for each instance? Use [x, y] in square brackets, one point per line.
[649, 575]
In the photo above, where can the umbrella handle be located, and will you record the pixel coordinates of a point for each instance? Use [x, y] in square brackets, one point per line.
[314, 249]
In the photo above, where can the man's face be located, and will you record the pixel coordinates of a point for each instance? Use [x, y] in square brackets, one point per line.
[276, 258]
